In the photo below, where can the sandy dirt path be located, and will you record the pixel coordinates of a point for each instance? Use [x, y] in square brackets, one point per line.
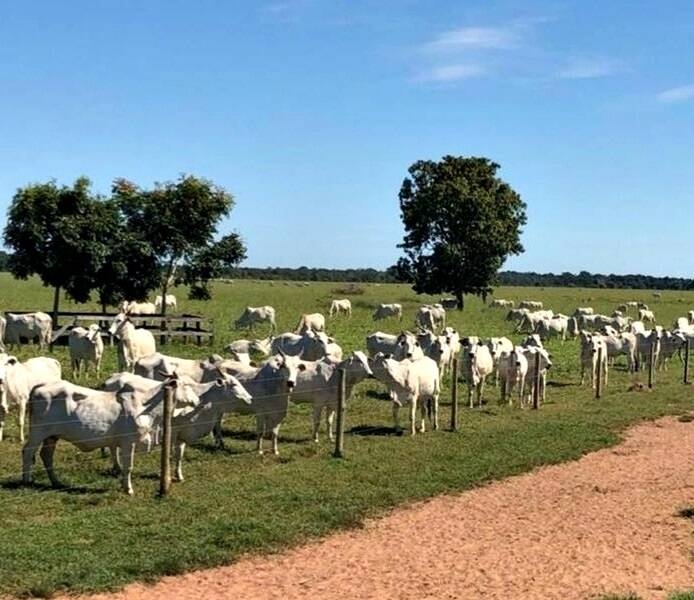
[606, 523]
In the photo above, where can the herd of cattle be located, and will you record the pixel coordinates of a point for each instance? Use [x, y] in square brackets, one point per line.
[303, 366]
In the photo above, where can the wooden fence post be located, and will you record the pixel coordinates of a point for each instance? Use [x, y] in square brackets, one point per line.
[165, 474]
[536, 381]
[454, 395]
[340, 434]
[651, 365]
[598, 375]
[686, 361]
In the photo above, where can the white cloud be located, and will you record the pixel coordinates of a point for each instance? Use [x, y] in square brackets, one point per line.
[485, 38]
[590, 68]
[450, 73]
[677, 94]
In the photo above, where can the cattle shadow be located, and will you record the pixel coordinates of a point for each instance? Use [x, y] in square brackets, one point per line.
[246, 435]
[376, 395]
[374, 430]
[559, 384]
[39, 486]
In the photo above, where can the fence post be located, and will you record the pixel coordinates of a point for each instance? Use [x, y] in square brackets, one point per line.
[686, 361]
[598, 375]
[536, 382]
[165, 474]
[340, 434]
[454, 395]
[651, 366]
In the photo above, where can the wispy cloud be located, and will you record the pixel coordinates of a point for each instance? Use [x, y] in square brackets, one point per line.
[450, 73]
[467, 38]
[590, 68]
[677, 94]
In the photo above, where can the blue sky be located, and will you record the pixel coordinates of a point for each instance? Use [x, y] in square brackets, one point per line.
[310, 112]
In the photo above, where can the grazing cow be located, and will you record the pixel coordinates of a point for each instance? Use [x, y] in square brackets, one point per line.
[512, 369]
[318, 385]
[554, 327]
[159, 367]
[657, 295]
[170, 302]
[86, 346]
[270, 386]
[671, 342]
[534, 354]
[222, 395]
[530, 321]
[431, 317]
[501, 303]
[516, 314]
[690, 316]
[250, 346]
[138, 308]
[258, 314]
[133, 343]
[31, 326]
[383, 311]
[583, 310]
[338, 307]
[593, 357]
[92, 419]
[642, 306]
[17, 379]
[648, 342]
[646, 315]
[309, 346]
[531, 304]
[410, 382]
[620, 343]
[532, 341]
[477, 365]
[623, 308]
[310, 322]
[382, 342]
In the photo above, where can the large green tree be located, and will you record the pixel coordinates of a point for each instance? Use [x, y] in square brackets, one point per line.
[60, 234]
[461, 224]
[179, 220]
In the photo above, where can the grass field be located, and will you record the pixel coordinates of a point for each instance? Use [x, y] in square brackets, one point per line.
[92, 537]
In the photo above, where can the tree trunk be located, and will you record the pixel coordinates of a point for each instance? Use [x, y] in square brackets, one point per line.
[56, 303]
[461, 301]
[165, 286]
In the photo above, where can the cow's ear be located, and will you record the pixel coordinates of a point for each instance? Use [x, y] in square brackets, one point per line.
[301, 367]
[12, 360]
[219, 381]
[387, 355]
[253, 364]
[331, 340]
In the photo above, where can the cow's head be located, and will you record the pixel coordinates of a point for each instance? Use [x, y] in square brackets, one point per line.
[118, 322]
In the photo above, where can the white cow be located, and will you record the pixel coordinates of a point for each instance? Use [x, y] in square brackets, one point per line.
[646, 315]
[410, 382]
[513, 369]
[450, 303]
[338, 307]
[318, 385]
[258, 314]
[310, 322]
[170, 302]
[309, 346]
[533, 354]
[92, 419]
[138, 308]
[621, 343]
[270, 386]
[431, 317]
[554, 327]
[383, 311]
[497, 347]
[382, 342]
[583, 310]
[262, 346]
[32, 326]
[593, 357]
[133, 343]
[531, 304]
[477, 365]
[159, 367]
[501, 303]
[86, 346]
[16, 382]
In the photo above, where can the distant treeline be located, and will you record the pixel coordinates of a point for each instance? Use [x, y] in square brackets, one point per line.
[510, 278]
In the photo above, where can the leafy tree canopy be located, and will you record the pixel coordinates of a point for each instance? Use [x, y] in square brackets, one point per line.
[461, 223]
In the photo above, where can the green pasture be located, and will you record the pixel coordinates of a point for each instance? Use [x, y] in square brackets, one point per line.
[89, 536]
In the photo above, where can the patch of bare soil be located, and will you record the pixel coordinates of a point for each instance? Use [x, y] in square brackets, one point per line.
[606, 523]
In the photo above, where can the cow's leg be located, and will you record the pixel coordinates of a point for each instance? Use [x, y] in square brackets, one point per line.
[424, 411]
[179, 449]
[116, 468]
[47, 452]
[3, 412]
[413, 416]
[260, 427]
[470, 389]
[480, 392]
[28, 455]
[217, 434]
[435, 402]
[329, 420]
[275, 439]
[128, 452]
[21, 417]
[521, 389]
[317, 410]
[396, 416]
